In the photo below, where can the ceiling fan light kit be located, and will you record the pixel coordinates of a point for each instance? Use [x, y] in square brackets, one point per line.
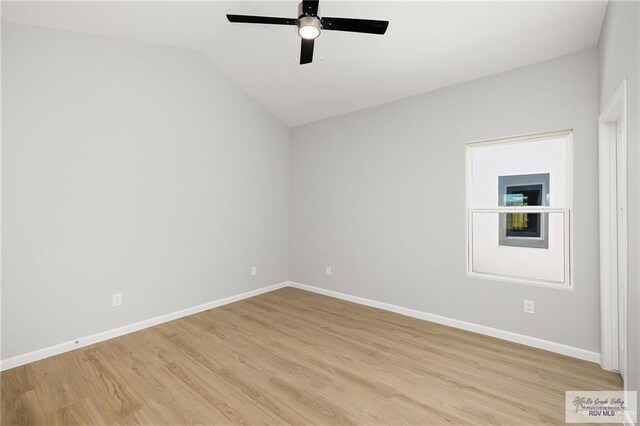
[310, 25]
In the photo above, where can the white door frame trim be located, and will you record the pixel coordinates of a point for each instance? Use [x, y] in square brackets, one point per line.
[613, 223]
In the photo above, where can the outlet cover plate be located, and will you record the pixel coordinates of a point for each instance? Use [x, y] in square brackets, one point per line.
[529, 307]
[116, 300]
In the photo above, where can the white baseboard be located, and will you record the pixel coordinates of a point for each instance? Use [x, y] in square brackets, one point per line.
[481, 329]
[39, 354]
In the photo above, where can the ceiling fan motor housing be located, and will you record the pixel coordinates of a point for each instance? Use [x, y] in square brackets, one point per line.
[309, 24]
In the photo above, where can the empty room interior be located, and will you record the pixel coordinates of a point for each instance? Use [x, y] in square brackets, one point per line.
[320, 212]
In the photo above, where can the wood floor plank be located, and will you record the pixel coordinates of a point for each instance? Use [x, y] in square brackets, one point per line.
[294, 357]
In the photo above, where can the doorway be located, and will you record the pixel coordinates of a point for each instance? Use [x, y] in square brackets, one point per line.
[612, 150]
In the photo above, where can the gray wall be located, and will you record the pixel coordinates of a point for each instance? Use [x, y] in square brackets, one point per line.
[619, 59]
[133, 168]
[379, 195]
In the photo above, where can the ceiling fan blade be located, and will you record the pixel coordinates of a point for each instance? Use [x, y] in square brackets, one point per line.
[306, 51]
[310, 7]
[246, 19]
[368, 26]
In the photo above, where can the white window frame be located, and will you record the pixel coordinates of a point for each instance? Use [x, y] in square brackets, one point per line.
[567, 209]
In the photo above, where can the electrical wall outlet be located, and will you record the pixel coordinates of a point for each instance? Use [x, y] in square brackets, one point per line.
[328, 271]
[254, 271]
[116, 300]
[529, 307]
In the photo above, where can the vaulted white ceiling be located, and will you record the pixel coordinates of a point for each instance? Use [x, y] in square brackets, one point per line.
[428, 44]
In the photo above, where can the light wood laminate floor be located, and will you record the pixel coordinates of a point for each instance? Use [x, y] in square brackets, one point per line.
[294, 357]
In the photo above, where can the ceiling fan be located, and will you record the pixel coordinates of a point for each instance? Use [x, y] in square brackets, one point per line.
[310, 25]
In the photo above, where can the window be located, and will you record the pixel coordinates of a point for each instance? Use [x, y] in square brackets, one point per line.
[518, 199]
[524, 229]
